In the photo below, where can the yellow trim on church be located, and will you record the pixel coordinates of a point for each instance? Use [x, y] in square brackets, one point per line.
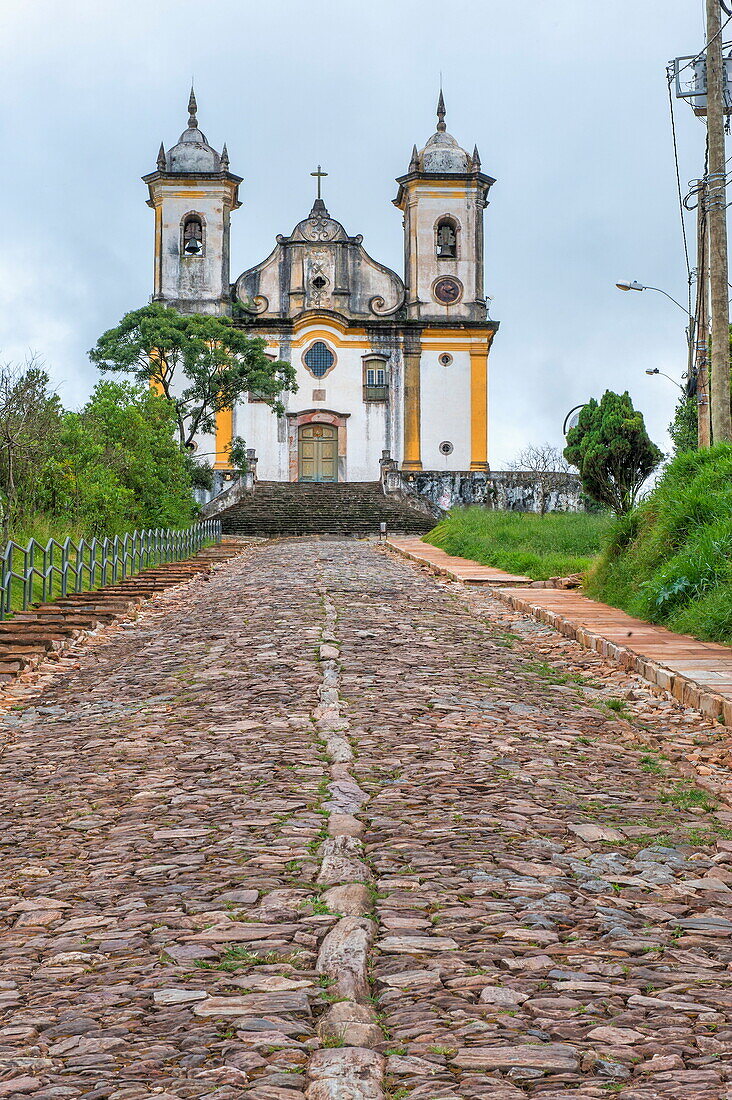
[412, 412]
[341, 336]
[224, 436]
[479, 409]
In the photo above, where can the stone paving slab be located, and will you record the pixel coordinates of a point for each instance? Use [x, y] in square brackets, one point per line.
[328, 827]
[698, 673]
[458, 569]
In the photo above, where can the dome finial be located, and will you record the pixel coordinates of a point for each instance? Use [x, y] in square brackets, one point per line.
[441, 127]
[192, 111]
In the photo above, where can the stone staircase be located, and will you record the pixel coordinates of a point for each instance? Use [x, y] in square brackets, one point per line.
[281, 508]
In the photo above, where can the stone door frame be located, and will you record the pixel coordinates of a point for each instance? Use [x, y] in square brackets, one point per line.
[297, 420]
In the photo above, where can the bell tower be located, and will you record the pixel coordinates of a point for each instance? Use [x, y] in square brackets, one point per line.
[192, 193]
[443, 196]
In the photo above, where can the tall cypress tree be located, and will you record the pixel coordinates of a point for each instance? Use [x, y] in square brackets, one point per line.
[612, 451]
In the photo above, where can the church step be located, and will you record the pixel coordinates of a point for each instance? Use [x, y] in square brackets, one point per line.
[297, 508]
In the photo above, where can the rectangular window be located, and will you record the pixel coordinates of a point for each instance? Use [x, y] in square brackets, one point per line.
[375, 380]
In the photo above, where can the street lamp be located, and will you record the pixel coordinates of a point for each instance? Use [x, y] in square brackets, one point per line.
[626, 284]
[572, 418]
[655, 370]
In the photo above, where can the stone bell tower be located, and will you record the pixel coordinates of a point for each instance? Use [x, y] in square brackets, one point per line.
[443, 196]
[192, 193]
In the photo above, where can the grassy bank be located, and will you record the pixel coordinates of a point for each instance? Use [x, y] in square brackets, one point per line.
[534, 546]
[670, 562]
[42, 527]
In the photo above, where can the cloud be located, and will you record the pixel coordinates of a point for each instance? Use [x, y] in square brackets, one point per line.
[566, 101]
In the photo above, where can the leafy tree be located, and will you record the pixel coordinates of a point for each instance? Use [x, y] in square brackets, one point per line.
[201, 364]
[119, 465]
[237, 451]
[612, 451]
[684, 429]
[30, 423]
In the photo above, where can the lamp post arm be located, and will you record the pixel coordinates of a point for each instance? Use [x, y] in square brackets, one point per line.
[659, 291]
[664, 375]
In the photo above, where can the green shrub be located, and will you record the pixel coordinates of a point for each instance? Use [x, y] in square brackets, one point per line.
[112, 466]
[670, 562]
[524, 543]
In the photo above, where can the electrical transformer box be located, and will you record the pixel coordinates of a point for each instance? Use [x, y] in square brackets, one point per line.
[691, 82]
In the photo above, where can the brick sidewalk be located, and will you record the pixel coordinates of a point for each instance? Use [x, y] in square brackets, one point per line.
[698, 674]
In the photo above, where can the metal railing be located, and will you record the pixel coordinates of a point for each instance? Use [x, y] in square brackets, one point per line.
[36, 572]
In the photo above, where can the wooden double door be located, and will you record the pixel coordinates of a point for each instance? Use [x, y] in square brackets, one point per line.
[318, 453]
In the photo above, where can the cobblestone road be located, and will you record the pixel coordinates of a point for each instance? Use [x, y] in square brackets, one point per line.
[317, 827]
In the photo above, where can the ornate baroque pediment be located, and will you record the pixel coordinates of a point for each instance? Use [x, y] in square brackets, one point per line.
[320, 267]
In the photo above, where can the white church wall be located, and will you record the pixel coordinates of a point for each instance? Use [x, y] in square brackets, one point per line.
[342, 392]
[445, 410]
[258, 426]
[205, 447]
[369, 426]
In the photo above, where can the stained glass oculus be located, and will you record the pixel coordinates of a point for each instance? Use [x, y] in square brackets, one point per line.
[319, 359]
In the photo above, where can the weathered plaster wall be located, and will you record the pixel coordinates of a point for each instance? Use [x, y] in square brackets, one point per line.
[512, 491]
[369, 427]
[200, 283]
[445, 401]
[428, 202]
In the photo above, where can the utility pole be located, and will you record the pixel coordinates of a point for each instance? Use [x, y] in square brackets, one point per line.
[716, 193]
[701, 325]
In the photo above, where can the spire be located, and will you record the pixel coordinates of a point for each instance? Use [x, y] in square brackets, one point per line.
[224, 157]
[441, 113]
[192, 110]
[476, 157]
[414, 162]
[161, 158]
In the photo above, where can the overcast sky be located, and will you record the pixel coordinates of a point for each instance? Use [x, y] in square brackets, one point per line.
[566, 99]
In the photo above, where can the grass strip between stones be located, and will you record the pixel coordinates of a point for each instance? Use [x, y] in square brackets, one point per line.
[348, 1028]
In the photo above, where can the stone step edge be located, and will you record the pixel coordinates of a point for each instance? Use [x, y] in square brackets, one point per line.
[684, 689]
[504, 581]
[205, 559]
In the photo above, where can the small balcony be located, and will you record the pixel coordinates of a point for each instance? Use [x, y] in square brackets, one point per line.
[376, 393]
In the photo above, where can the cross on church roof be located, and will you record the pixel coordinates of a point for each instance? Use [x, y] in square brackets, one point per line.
[320, 174]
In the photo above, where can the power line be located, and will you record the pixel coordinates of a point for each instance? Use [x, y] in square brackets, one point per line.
[703, 51]
[678, 183]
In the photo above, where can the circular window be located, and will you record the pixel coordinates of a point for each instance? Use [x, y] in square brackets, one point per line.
[318, 359]
[446, 447]
[319, 282]
[447, 290]
[446, 359]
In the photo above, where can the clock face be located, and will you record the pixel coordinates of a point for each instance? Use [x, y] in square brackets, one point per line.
[447, 291]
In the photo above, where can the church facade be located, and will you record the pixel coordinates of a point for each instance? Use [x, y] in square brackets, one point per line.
[387, 366]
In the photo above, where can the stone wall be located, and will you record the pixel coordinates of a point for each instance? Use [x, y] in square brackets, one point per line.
[432, 492]
[504, 490]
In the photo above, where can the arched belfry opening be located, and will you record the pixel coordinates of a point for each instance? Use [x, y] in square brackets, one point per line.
[192, 235]
[446, 238]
